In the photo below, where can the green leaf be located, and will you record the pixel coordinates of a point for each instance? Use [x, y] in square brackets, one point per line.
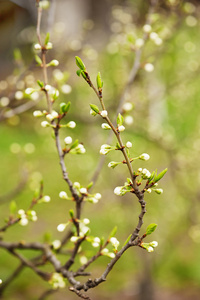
[94, 108]
[75, 144]
[64, 107]
[83, 75]
[38, 60]
[99, 81]
[127, 240]
[78, 72]
[13, 207]
[152, 176]
[129, 181]
[40, 83]
[80, 64]
[118, 146]
[151, 228]
[113, 232]
[90, 185]
[71, 213]
[47, 38]
[120, 120]
[160, 175]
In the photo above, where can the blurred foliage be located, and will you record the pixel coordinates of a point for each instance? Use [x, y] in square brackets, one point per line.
[166, 125]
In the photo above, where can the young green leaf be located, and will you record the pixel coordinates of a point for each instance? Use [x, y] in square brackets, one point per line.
[113, 232]
[160, 175]
[90, 185]
[47, 38]
[13, 207]
[78, 72]
[94, 108]
[99, 81]
[75, 144]
[120, 120]
[80, 64]
[40, 83]
[71, 213]
[127, 240]
[64, 107]
[38, 60]
[151, 228]
[152, 176]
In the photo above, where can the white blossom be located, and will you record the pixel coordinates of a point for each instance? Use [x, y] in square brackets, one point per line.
[71, 124]
[149, 67]
[61, 227]
[63, 195]
[104, 113]
[144, 156]
[154, 244]
[128, 120]
[66, 88]
[19, 95]
[127, 106]
[68, 140]
[139, 43]
[147, 28]
[129, 145]
[105, 126]
[45, 124]
[83, 191]
[37, 113]
[37, 47]
[97, 196]
[56, 244]
[46, 198]
[121, 128]
[150, 249]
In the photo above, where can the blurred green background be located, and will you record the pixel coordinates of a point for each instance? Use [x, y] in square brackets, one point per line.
[164, 123]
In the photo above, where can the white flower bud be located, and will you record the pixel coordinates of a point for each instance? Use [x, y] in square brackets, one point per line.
[149, 67]
[77, 185]
[56, 244]
[148, 191]
[48, 87]
[129, 145]
[145, 174]
[113, 164]
[68, 140]
[114, 242]
[121, 128]
[86, 221]
[118, 190]
[71, 124]
[150, 249]
[49, 117]
[105, 126]
[158, 41]
[45, 124]
[104, 113]
[37, 47]
[97, 196]
[104, 251]
[74, 239]
[54, 63]
[95, 245]
[111, 255]
[1, 281]
[23, 221]
[144, 156]
[37, 113]
[83, 191]
[147, 28]
[139, 43]
[49, 46]
[61, 227]
[140, 170]
[63, 195]
[83, 260]
[21, 212]
[153, 244]
[46, 198]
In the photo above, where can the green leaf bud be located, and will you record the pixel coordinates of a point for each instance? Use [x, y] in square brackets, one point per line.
[151, 228]
[99, 81]
[113, 232]
[80, 64]
[64, 107]
[94, 108]
[47, 38]
[160, 175]
[71, 213]
[120, 120]
[38, 60]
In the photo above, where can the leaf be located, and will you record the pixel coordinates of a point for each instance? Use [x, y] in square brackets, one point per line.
[64, 107]
[118, 146]
[151, 228]
[40, 83]
[99, 81]
[83, 75]
[13, 207]
[90, 185]
[127, 240]
[38, 60]
[78, 72]
[71, 213]
[75, 144]
[94, 108]
[120, 120]
[152, 176]
[160, 175]
[80, 64]
[113, 232]
[47, 38]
